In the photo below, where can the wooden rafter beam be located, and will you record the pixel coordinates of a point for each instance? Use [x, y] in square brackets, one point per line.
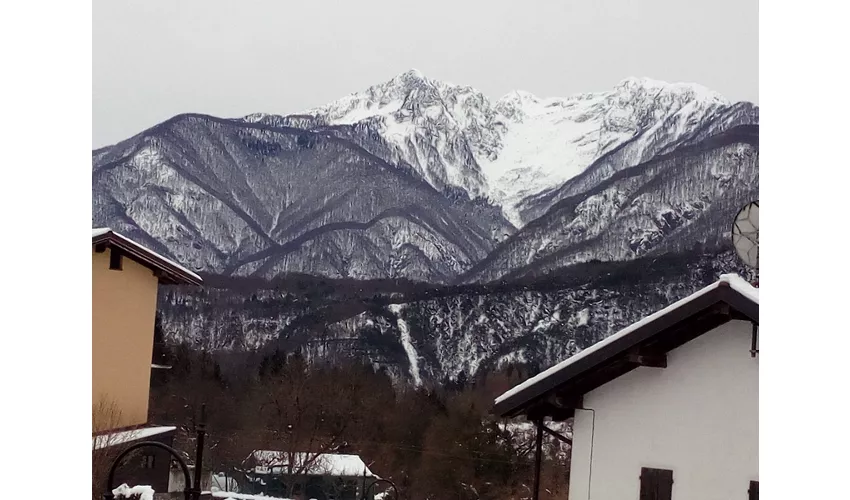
[116, 260]
[556, 435]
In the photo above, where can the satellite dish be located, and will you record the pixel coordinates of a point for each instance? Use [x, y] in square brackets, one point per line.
[745, 234]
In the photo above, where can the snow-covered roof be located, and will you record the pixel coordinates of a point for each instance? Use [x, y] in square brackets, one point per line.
[733, 281]
[173, 272]
[240, 496]
[123, 437]
[223, 482]
[741, 286]
[326, 464]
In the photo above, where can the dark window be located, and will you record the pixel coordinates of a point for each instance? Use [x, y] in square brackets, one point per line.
[754, 490]
[148, 462]
[115, 260]
[656, 484]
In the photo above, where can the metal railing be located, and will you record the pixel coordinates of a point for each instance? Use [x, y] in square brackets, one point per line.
[191, 491]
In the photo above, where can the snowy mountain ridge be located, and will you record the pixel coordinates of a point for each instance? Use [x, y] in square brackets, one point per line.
[419, 179]
[384, 216]
[519, 145]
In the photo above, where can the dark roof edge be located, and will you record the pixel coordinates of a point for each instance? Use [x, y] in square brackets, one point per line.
[134, 427]
[723, 293]
[173, 273]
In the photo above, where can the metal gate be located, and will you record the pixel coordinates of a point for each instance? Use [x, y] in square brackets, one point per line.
[191, 491]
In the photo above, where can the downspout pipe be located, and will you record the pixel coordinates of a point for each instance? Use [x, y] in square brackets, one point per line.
[590, 461]
[754, 348]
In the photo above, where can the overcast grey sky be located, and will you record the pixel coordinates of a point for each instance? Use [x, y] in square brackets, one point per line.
[153, 59]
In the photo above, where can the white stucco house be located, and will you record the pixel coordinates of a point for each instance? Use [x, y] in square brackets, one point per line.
[666, 408]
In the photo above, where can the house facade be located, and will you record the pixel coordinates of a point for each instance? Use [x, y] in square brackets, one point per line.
[308, 476]
[147, 466]
[125, 279]
[665, 409]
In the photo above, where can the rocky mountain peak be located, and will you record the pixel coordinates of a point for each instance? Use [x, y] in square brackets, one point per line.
[412, 75]
[647, 87]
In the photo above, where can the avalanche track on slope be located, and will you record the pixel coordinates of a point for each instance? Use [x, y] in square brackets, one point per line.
[404, 333]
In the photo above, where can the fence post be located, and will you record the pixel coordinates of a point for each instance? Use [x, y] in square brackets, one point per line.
[538, 453]
[199, 454]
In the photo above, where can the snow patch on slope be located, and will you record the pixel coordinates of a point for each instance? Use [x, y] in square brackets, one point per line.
[547, 142]
[407, 344]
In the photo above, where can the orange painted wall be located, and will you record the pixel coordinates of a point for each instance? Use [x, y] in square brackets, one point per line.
[123, 315]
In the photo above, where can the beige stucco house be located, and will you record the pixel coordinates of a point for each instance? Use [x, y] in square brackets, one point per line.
[125, 278]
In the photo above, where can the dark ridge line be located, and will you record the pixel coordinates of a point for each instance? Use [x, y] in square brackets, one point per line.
[189, 151]
[348, 143]
[578, 276]
[569, 203]
[253, 224]
[591, 169]
[278, 251]
[410, 213]
[527, 269]
[158, 191]
[383, 164]
[164, 131]
[335, 201]
[568, 277]
[106, 167]
[601, 274]
[226, 200]
[576, 247]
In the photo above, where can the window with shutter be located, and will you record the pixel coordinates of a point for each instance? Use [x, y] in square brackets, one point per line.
[656, 484]
[754, 490]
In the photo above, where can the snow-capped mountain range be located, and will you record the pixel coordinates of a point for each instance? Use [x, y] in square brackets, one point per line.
[520, 145]
[420, 181]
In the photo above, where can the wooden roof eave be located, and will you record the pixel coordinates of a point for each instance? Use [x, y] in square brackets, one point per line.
[165, 271]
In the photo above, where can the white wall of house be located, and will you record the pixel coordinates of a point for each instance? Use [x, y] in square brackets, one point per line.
[697, 417]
